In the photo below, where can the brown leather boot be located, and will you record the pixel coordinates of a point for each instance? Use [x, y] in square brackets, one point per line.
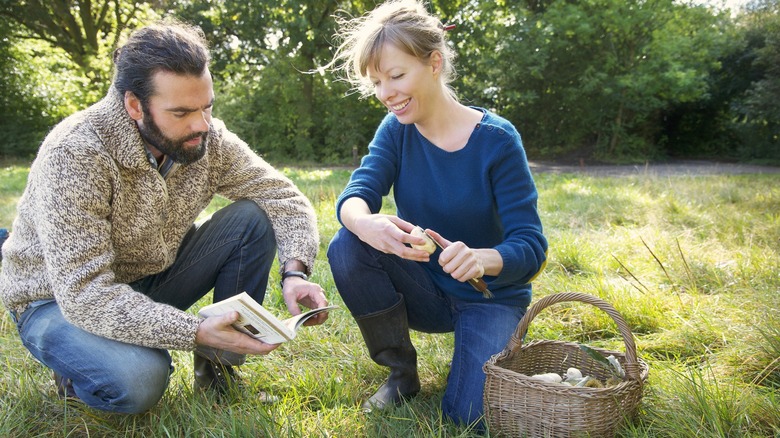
[64, 387]
[386, 334]
[213, 376]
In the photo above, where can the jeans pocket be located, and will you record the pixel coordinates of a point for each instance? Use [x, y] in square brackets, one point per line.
[28, 312]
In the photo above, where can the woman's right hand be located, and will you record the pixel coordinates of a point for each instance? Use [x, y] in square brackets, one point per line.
[389, 234]
[383, 232]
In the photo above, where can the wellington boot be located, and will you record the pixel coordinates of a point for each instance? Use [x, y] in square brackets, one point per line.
[386, 334]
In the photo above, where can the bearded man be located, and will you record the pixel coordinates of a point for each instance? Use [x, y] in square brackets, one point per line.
[105, 256]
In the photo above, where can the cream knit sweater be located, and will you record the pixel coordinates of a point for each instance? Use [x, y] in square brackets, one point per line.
[96, 215]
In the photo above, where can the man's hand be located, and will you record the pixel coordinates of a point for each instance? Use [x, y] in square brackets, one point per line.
[296, 290]
[218, 332]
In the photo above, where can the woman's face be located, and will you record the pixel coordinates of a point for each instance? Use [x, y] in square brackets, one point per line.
[407, 86]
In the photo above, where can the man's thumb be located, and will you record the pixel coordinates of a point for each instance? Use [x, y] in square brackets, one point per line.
[229, 318]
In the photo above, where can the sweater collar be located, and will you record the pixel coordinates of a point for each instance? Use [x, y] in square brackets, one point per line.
[118, 131]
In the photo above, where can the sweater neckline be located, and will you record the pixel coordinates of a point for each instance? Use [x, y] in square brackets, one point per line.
[469, 140]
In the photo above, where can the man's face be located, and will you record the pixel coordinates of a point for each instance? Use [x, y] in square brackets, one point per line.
[177, 118]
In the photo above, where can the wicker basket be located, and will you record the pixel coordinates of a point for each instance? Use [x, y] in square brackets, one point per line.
[517, 405]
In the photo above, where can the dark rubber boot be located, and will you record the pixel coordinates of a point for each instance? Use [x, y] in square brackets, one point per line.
[386, 334]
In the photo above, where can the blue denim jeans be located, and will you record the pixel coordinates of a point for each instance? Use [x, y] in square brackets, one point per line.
[369, 281]
[230, 252]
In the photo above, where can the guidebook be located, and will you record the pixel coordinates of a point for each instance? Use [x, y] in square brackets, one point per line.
[256, 321]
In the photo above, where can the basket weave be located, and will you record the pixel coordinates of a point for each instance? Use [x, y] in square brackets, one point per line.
[517, 405]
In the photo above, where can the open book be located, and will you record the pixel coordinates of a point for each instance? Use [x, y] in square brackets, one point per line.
[258, 322]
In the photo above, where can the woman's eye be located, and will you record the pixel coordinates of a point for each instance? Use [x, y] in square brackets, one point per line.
[399, 76]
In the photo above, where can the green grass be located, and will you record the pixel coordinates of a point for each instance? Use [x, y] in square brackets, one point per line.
[691, 262]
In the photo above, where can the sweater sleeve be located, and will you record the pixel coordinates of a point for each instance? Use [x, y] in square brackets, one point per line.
[524, 248]
[378, 169]
[242, 174]
[74, 227]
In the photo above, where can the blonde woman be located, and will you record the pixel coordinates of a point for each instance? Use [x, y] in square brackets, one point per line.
[460, 173]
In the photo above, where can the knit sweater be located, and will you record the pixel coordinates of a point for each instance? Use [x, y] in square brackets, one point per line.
[482, 195]
[96, 215]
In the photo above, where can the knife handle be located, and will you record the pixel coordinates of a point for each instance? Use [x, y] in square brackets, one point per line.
[478, 283]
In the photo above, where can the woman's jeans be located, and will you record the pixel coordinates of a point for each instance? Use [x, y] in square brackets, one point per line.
[230, 252]
[370, 281]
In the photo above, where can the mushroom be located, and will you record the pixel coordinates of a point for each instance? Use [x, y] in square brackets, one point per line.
[548, 377]
[429, 245]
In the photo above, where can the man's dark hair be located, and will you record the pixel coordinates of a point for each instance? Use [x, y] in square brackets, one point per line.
[166, 46]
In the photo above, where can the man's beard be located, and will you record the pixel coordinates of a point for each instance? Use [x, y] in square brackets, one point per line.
[173, 148]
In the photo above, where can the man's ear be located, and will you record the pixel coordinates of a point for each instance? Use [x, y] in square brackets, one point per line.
[133, 106]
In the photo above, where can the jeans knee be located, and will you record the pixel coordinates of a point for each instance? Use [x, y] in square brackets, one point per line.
[243, 207]
[342, 249]
[245, 210]
[129, 390]
[249, 218]
[336, 244]
[140, 398]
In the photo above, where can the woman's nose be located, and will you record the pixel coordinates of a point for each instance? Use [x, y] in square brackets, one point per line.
[383, 92]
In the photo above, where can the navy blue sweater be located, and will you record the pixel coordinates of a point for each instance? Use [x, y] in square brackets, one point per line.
[482, 195]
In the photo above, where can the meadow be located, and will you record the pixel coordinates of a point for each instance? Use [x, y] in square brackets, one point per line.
[692, 263]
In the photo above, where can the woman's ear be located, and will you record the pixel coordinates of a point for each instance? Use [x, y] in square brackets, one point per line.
[133, 106]
[436, 62]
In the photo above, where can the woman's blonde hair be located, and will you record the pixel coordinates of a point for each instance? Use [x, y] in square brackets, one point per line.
[407, 25]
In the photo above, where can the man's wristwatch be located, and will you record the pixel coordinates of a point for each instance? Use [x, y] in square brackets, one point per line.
[287, 274]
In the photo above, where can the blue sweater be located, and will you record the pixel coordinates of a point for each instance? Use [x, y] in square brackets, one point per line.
[482, 195]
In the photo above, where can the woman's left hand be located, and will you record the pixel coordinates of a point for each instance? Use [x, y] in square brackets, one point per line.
[458, 260]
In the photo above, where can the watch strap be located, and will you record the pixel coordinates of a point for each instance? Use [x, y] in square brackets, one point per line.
[287, 274]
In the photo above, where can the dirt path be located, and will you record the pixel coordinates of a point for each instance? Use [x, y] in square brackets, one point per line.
[660, 169]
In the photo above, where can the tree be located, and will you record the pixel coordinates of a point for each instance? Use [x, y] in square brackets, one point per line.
[56, 60]
[592, 78]
[87, 31]
[761, 111]
[267, 54]
[24, 112]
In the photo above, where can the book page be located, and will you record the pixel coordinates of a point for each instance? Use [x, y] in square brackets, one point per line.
[254, 320]
[297, 321]
[261, 327]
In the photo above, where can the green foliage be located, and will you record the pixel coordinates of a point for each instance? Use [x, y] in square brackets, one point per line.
[591, 78]
[272, 94]
[604, 80]
[738, 118]
[760, 129]
[37, 91]
[87, 31]
[322, 129]
[56, 60]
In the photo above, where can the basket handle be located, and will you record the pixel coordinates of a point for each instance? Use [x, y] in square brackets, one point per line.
[632, 368]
